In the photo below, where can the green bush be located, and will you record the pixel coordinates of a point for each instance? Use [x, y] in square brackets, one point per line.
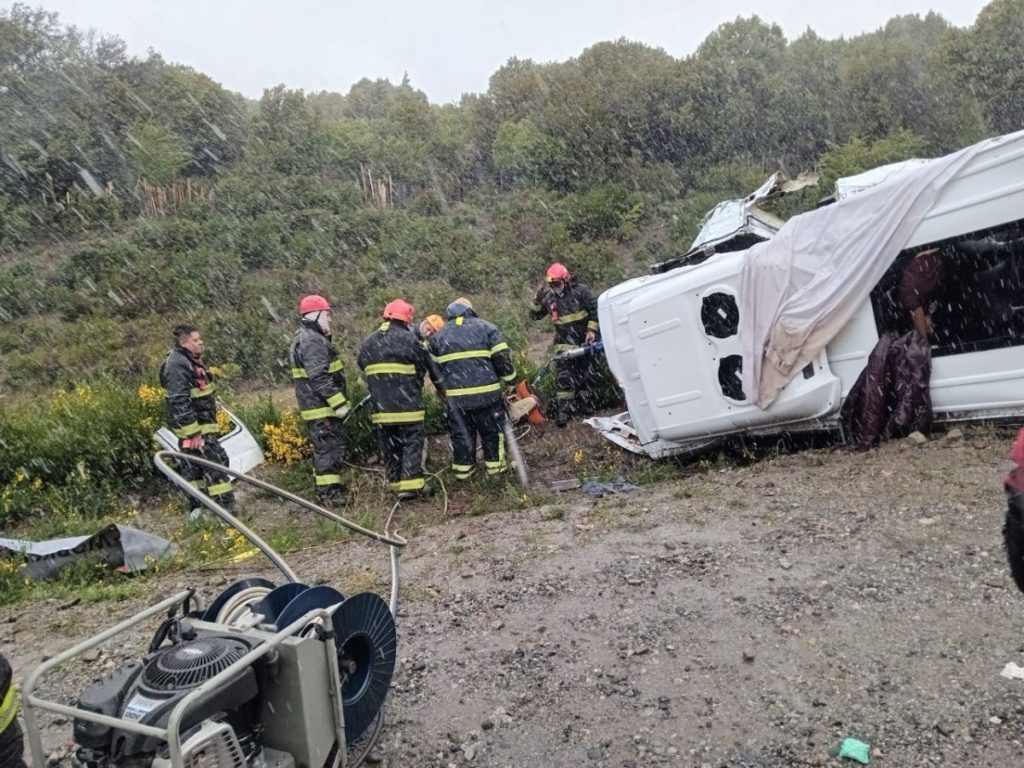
[68, 452]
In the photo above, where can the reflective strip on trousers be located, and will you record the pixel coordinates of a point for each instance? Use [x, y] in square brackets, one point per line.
[574, 317]
[378, 369]
[564, 395]
[337, 400]
[593, 325]
[316, 413]
[412, 484]
[209, 429]
[463, 471]
[499, 466]
[199, 484]
[464, 391]
[327, 479]
[219, 489]
[398, 417]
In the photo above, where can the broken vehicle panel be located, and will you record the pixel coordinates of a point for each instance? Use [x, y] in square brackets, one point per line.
[734, 225]
[244, 453]
[673, 339]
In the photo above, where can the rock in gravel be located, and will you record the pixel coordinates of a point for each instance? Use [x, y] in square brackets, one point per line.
[595, 752]
[487, 725]
[955, 434]
[784, 564]
[93, 654]
[916, 438]
[748, 656]
[497, 624]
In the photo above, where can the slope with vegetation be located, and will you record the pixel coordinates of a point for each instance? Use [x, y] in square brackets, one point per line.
[135, 193]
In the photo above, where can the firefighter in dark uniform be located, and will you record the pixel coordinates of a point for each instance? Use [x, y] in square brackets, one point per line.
[394, 364]
[11, 746]
[192, 413]
[476, 366]
[322, 396]
[572, 309]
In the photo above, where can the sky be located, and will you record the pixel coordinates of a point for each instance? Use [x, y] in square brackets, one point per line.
[447, 47]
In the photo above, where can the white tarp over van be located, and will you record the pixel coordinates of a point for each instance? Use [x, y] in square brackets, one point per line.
[799, 289]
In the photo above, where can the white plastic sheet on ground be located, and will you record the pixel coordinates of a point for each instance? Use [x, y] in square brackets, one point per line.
[800, 288]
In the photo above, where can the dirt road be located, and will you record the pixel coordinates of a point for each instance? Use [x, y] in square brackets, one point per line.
[743, 616]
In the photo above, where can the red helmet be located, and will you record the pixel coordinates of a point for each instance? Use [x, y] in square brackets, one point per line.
[557, 271]
[399, 309]
[313, 303]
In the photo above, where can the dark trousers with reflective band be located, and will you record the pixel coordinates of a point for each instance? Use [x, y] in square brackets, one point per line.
[216, 484]
[328, 439]
[465, 426]
[11, 745]
[401, 445]
[574, 380]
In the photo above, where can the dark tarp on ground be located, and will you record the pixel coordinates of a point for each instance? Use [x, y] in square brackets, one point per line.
[122, 547]
[891, 397]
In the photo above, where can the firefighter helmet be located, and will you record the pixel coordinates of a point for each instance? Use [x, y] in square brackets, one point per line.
[557, 271]
[399, 309]
[313, 303]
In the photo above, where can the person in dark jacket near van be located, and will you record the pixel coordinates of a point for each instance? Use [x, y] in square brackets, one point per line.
[394, 364]
[192, 413]
[476, 366]
[572, 309]
[322, 396]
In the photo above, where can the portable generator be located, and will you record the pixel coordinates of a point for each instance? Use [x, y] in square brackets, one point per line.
[268, 676]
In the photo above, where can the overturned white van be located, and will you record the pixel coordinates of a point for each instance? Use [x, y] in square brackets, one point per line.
[771, 338]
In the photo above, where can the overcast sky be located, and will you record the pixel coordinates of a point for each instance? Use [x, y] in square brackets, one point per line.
[448, 47]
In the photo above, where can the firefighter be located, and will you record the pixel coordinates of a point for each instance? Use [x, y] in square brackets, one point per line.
[11, 745]
[192, 414]
[572, 309]
[476, 366]
[394, 363]
[322, 396]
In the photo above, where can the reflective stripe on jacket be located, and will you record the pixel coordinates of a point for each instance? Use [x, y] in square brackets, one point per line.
[573, 313]
[474, 360]
[394, 363]
[191, 402]
[316, 373]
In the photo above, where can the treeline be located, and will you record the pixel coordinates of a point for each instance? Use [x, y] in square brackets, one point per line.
[136, 192]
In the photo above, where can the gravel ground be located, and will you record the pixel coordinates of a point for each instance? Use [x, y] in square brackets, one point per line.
[737, 616]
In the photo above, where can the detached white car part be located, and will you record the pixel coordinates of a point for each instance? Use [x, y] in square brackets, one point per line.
[672, 340]
[243, 451]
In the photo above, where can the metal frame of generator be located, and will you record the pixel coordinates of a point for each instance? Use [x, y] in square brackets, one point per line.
[268, 676]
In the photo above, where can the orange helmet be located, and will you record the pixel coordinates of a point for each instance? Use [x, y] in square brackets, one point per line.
[399, 309]
[557, 271]
[431, 324]
[313, 303]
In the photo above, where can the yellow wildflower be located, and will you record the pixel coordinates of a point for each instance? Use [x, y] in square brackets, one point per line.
[150, 395]
[285, 443]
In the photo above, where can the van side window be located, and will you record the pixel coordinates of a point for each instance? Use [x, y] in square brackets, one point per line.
[967, 290]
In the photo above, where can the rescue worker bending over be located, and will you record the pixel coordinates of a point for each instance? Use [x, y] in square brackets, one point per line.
[322, 396]
[573, 310]
[394, 363]
[192, 413]
[476, 366]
